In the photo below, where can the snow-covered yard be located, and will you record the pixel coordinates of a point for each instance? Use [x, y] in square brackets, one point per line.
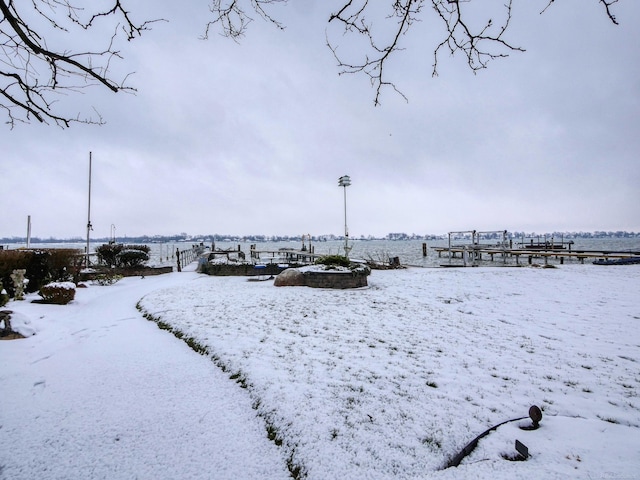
[389, 381]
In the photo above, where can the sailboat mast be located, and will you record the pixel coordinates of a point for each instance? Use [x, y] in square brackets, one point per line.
[88, 215]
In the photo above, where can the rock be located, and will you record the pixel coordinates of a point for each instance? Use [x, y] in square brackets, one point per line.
[290, 278]
[15, 326]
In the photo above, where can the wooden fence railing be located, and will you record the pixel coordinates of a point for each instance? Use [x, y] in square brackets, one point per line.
[185, 257]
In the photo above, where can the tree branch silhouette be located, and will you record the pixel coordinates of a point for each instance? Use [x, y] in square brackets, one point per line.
[33, 76]
[479, 45]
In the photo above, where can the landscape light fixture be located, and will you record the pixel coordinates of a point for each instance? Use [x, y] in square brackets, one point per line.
[345, 181]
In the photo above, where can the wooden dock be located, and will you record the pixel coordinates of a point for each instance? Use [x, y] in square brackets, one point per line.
[545, 248]
[474, 253]
[284, 255]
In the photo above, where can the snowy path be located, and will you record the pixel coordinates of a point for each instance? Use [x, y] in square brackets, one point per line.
[101, 393]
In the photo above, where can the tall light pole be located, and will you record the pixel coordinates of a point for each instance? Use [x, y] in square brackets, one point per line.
[345, 181]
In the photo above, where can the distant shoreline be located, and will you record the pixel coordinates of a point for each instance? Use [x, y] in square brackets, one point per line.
[209, 238]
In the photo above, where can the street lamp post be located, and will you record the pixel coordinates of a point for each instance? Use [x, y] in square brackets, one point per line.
[345, 181]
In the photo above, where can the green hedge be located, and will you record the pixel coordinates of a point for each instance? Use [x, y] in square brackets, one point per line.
[42, 266]
[119, 255]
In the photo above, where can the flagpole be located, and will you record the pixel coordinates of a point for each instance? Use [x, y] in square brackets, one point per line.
[88, 216]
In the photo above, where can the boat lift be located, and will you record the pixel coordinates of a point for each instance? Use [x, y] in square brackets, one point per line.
[470, 252]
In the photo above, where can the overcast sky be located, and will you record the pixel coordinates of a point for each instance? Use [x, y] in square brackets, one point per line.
[251, 138]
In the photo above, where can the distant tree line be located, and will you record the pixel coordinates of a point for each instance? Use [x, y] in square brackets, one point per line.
[212, 238]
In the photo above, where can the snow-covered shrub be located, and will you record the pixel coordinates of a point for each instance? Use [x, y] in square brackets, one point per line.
[132, 257]
[59, 293]
[106, 279]
[333, 260]
[119, 255]
[108, 253]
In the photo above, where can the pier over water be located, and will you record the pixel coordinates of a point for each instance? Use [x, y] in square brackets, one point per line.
[473, 248]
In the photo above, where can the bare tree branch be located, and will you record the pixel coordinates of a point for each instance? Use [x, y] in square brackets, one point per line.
[404, 12]
[478, 44]
[607, 5]
[232, 16]
[33, 76]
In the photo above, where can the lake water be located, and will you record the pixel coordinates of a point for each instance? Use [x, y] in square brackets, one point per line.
[408, 251]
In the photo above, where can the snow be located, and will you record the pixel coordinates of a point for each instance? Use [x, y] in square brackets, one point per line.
[388, 381]
[333, 268]
[62, 285]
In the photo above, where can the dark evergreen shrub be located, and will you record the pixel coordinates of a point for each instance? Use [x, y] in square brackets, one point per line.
[125, 256]
[130, 258]
[65, 264]
[338, 260]
[4, 296]
[51, 265]
[108, 253]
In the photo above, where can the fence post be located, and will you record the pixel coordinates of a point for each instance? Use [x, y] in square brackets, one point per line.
[178, 257]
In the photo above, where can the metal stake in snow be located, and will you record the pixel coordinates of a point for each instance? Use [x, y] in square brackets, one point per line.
[522, 449]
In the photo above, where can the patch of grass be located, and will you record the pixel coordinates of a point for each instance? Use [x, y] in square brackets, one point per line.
[433, 442]
[432, 384]
[627, 358]
[296, 471]
[513, 457]
[272, 434]
[608, 419]
[240, 379]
